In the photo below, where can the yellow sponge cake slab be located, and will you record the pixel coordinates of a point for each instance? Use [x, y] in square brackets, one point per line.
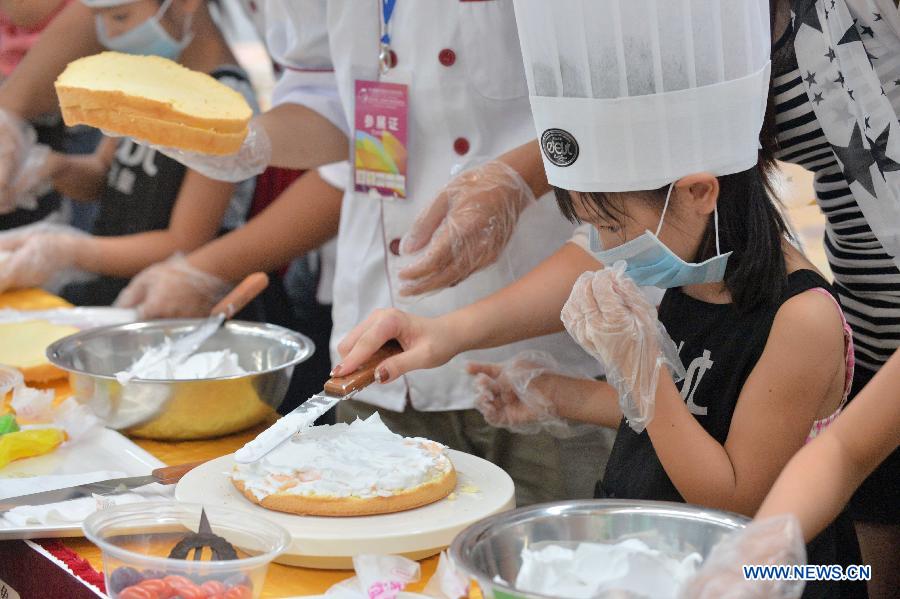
[23, 345]
[155, 100]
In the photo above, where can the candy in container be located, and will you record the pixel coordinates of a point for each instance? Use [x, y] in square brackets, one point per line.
[162, 550]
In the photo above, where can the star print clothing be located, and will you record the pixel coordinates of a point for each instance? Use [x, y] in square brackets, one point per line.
[852, 146]
[719, 347]
[142, 186]
[833, 120]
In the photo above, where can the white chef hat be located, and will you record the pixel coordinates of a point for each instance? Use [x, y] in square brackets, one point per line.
[633, 94]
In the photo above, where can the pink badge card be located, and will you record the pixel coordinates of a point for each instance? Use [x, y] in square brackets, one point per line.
[380, 139]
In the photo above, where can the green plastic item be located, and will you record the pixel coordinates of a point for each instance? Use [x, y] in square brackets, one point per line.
[8, 424]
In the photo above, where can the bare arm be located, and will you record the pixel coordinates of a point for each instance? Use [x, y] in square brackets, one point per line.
[275, 236]
[29, 91]
[302, 138]
[582, 400]
[837, 461]
[779, 402]
[29, 14]
[528, 308]
[195, 220]
[526, 160]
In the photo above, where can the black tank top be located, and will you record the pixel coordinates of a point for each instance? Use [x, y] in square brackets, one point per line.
[719, 348]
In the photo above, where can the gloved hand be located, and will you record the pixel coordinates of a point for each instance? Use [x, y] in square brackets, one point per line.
[250, 160]
[17, 138]
[38, 252]
[772, 541]
[465, 228]
[611, 319]
[35, 177]
[173, 289]
[509, 396]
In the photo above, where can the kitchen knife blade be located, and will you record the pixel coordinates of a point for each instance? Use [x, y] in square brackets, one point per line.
[168, 475]
[336, 389]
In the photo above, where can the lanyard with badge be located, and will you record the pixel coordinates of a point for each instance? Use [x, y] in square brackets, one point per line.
[380, 123]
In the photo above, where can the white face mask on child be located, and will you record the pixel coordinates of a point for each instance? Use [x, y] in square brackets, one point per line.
[148, 38]
[650, 263]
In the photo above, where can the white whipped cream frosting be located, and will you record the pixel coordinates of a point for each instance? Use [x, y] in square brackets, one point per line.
[363, 459]
[591, 570]
[158, 364]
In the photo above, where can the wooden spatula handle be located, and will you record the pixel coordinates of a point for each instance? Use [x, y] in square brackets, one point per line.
[243, 294]
[169, 475]
[365, 374]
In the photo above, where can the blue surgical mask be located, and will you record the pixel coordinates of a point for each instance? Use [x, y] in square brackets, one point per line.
[651, 264]
[148, 38]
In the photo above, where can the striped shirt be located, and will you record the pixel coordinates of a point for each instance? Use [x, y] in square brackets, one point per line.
[866, 278]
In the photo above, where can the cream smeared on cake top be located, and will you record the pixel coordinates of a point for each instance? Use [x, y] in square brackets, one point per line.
[363, 459]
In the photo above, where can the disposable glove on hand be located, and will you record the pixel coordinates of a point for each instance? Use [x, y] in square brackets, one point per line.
[37, 252]
[508, 395]
[465, 229]
[611, 319]
[251, 159]
[17, 138]
[173, 289]
[773, 541]
[34, 178]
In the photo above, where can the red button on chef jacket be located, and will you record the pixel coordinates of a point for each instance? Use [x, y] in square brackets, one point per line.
[447, 57]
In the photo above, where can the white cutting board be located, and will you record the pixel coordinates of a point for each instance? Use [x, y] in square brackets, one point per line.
[103, 450]
[482, 489]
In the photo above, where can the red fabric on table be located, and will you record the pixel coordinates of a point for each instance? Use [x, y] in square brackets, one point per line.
[31, 574]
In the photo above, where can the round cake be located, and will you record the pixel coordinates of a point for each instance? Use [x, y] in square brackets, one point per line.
[357, 469]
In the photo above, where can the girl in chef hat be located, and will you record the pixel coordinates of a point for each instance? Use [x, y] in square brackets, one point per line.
[649, 117]
[150, 206]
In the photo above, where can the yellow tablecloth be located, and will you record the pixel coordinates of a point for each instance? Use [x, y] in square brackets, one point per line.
[282, 581]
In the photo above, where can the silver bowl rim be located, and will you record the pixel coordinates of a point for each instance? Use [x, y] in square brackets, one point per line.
[54, 348]
[474, 532]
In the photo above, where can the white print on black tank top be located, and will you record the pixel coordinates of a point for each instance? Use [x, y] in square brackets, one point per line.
[692, 377]
[130, 154]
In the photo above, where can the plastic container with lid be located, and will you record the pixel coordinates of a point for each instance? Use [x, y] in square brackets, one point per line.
[135, 540]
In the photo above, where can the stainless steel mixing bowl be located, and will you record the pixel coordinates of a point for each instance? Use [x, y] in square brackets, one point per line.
[181, 409]
[493, 546]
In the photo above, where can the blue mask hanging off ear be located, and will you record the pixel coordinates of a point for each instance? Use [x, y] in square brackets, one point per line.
[148, 38]
[651, 264]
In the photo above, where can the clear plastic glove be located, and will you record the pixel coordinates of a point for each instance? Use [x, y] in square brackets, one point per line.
[37, 253]
[173, 289]
[17, 138]
[611, 319]
[508, 395]
[250, 160]
[773, 541]
[34, 178]
[465, 228]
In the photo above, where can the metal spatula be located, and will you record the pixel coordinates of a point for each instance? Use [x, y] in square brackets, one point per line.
[184, 346]
[336, 389]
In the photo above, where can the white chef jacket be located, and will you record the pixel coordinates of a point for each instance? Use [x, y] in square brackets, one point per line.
[337, 175]
[468, 102]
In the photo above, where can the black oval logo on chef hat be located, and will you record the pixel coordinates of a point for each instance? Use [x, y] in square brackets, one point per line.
[559, 146]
